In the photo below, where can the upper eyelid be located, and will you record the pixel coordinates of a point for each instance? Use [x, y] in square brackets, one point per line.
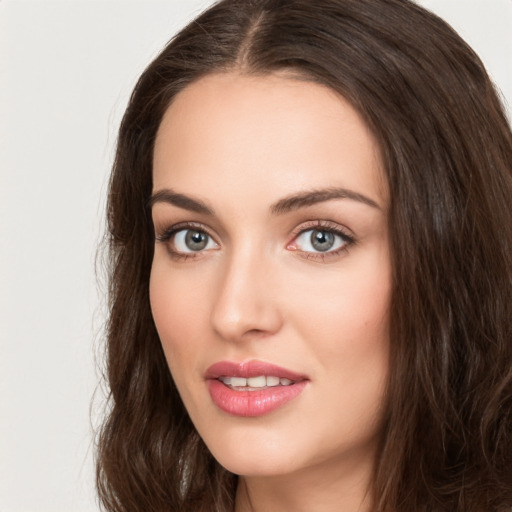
[180, 226]
[336, 231]
[325, 224]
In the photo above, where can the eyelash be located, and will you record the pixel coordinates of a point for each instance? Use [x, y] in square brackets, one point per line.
[327, 227]
[170, 232]
[320, 225]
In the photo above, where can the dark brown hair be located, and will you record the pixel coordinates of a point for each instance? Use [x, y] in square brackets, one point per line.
[447, 152]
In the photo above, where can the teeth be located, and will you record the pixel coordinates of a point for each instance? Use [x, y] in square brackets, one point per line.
[255, 382]
[238, 382]
[272, 381]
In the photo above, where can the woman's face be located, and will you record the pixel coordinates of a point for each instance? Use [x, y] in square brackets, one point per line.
[270, 285]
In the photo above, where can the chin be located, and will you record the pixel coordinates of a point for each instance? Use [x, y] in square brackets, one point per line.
[263, 464]
[268, 450]
[254, 453]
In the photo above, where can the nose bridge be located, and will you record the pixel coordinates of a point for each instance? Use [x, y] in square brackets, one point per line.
[244, 303]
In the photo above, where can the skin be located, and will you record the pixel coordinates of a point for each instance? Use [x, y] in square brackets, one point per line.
[258, 290]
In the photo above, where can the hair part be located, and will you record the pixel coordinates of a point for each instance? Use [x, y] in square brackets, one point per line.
[447, 151]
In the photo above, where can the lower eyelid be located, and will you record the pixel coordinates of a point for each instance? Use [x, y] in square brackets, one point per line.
[323, 256]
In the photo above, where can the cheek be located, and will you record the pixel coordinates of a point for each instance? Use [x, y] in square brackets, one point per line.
[179, 312]
[344, 318]
[349, 337]
[348, 307]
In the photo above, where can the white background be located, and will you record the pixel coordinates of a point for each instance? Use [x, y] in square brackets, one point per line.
[66, 70]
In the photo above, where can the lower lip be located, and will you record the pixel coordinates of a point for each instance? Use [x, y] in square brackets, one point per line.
[252, 403]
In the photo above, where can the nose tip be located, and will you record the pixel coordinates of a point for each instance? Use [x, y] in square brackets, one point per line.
[240, 321]
[245, 306]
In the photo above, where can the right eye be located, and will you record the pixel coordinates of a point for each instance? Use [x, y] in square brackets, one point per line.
[192, 240]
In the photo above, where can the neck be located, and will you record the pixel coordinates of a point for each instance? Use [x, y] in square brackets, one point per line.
[321, 488]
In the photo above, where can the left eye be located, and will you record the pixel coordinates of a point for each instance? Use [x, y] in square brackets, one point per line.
[319, 240]
[192, 240]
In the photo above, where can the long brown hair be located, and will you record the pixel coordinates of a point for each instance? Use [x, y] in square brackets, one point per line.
[447, 151]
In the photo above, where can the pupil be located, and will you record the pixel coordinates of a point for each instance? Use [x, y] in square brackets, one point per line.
[322, 240]
[196, 240]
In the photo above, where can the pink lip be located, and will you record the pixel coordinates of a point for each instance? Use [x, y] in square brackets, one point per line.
[251, 403]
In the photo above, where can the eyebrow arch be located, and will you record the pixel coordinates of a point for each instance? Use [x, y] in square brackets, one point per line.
[180, 200]
[287, 204]
[308, 198]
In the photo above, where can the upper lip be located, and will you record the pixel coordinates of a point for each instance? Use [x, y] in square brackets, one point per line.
[249, 369]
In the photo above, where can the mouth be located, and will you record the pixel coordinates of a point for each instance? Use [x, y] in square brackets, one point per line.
[252, 388]
[255, 383]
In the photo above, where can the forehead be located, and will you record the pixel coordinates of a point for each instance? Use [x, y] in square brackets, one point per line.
[252, 132]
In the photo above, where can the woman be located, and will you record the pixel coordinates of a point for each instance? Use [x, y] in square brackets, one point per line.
[311, 282]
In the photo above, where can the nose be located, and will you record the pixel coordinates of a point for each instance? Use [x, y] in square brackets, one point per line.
[245, 306]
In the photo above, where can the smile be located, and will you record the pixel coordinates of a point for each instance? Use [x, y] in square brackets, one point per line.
[255, 383]
[253, 388]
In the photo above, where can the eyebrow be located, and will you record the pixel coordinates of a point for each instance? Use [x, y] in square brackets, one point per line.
[287, 204]
[180, 200]
[308, 198]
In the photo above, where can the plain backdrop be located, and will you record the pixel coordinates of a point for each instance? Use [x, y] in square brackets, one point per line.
[66, 70]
